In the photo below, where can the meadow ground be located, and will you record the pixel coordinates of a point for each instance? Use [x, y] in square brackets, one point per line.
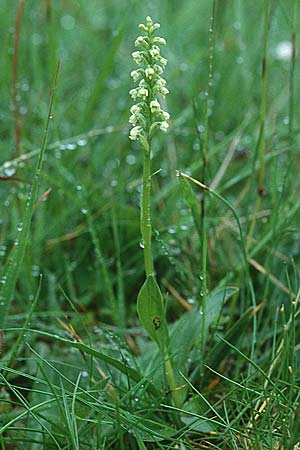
[78, 370]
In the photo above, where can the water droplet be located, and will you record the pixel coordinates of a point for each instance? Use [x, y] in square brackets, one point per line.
[142, 244]
[184, 227]
[2, 250]
[83, 211]
[20, 226]
[237, 25]
[71, 146]
[191, 300]
[10, 171]
[84, 374]
[67, 22]
[82, 142]
[50, 117]
[171, 230]
[286, 120]
[130, 159]
[201, 293]
[3, 279]
[35, 271]
[79, 187]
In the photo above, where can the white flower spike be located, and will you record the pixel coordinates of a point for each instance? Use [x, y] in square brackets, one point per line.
[147, 116]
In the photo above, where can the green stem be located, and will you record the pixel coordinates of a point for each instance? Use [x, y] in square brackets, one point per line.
[292, 70]
[146, 227]
[146, 230]
[172, 382]
[261, 144]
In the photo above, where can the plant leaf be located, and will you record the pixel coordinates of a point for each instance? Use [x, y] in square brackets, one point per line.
[186, 330]
[150, 307]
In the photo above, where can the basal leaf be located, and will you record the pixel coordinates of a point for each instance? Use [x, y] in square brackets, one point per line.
[151, 312]
[187, 329]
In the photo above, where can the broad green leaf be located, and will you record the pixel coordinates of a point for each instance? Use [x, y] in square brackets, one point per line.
[119, 365]
[197, 419]
[188, 328]
[150, 307]
[220, 350]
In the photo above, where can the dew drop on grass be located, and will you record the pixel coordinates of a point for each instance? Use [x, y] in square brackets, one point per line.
[183, 227]
[10, 171]
[171, 230]
[71, 146]
[84, 374]
[82, 142]
[3, 279]
[35, 271]
[83, 211]
[130, 159]
[142, 244]
[20, 226]
[2, 250]
[191, 300]
[79, 187]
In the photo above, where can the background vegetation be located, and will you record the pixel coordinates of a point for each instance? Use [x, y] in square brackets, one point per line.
[77, 371]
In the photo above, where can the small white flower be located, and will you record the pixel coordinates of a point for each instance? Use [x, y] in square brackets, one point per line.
[160, 82]
[164, 126]
[154, 27]
[137, 57]
[159, 40]
[163, 61]
[133, 119]
[139, 41]
[135, 74]
[149, 72]
[143, 93]
[149, 20]
[155, 106]
[133, 93]
[135, 132]
[135, 109]
[164, 90]
[154, 51]
[165, 115]
[158, 69]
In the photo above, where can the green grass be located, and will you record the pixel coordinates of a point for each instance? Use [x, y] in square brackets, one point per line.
[77, 369]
